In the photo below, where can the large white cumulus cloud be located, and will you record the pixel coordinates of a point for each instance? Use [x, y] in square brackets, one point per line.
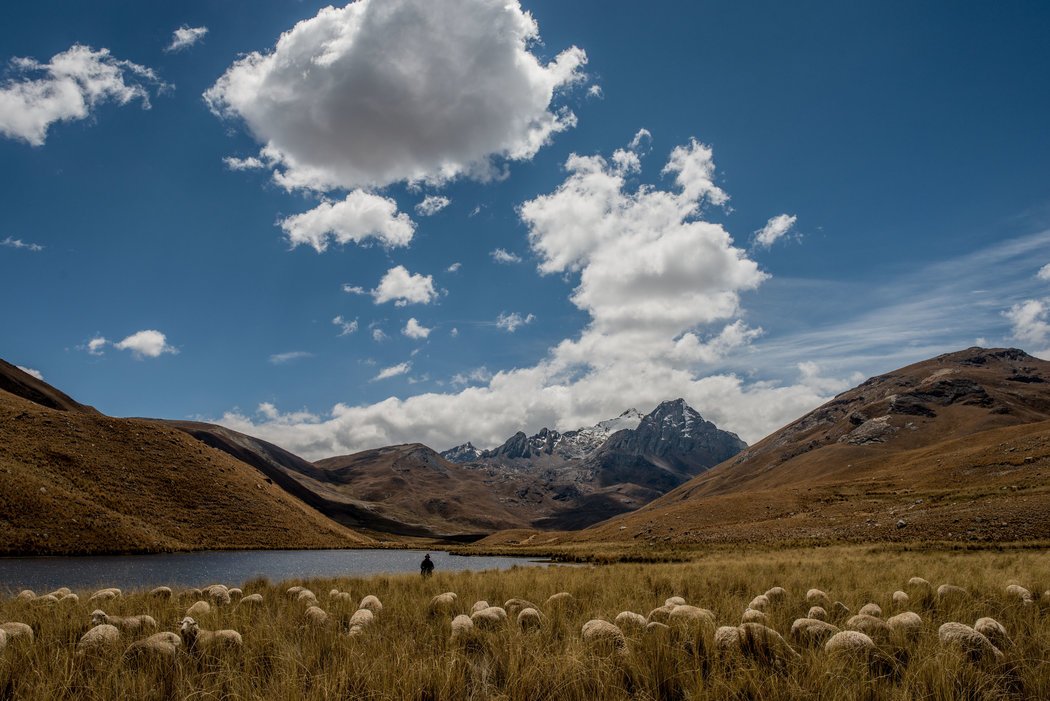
[663, 291]
[382, 91]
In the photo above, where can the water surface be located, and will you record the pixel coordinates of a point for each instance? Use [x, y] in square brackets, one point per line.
[234, 567]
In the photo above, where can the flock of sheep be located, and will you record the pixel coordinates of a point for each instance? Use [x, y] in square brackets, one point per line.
[827, 625]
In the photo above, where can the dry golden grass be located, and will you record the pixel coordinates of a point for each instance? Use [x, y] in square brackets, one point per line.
[406, 655]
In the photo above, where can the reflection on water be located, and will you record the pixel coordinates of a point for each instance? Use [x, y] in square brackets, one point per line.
[43, 574]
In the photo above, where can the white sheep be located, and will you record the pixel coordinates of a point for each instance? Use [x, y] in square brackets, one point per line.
[361, 620]
[70, 600]
[307, 597]
[816, 597]
[1020, 595]
[219, 594]
[603, 637]
[106, 594]
[25, 595]
[98, 639]
[994, 631]
[871, 609]
[235, 593]
[851, 643]
[674, 601]
[974, 644]
[45, 600]
[343, 598]
[562, 602]
[317, 617]
[372, 603]
[529, 619]
[818, 613]
[61, 591]
[691, 616]
[462, 626]
[727, 640]
[839, 610]
[759, 603]
[753, 616]
[811, 632]
[660, 614]
[629, 620]
[17, 631]
[201, 608]
[900, 599]
[443, 605]
[765, 645]
[479, 606]
[130, 624]
[919, 589]
[514, 606]
[293, 592]
[907, 625]
[873, 627]
[654, 628]
[159, 646]
[192, 593]
[251, 600]
[951, 595]
[201, 641]
[489, 618]
[161, 592]
[776, 595]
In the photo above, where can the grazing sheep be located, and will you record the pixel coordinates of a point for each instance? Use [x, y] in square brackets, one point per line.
[951, 595]
[759, 603]
[3, 640]
[193, 593]
[654, 628]
[307, 597]
[218, 593]
[850, 643]
[251, 600]
[317, 617]
[106, 594]
[129, 624]
[159, 646]
[372, 603]
[873, 627]
[776, 595]
[17, 631]
[674, 601]
[839, 610]
[811, 632]
[765, 645]
[529, 619]
[1020, 595]
[920, 590]
[818, 613]
[202, 641]
[660, 614]
[900, 600]
[443, 605]
[489, 618]
[462, 626]
[994, 631]
[479, 606]
[61, 591]
[562, 602]
[293, 592]
[201, 608]
[691, 616]
[753, 616]
[70, 599]
[918, 583]
[727, 640]
[516, 606]
[816, 597]
[906, 625]
[974, 644]
[603, 637]
[235, 593]
[343, 598]
[361, 619]
[98, 639]
[871, 610]
[161, 592]
[629, 620]
[25, 595]
[45, 600]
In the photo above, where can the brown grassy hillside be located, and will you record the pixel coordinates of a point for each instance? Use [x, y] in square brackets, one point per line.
[74, 481]
[953, 448]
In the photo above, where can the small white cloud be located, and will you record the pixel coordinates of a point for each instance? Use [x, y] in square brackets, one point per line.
[1044, 272]
[413, 329]
[70, 86]
[97, 345]
[149, 343]
[513, 321]
[392, 371]
[454, 332]
[20, 244]
[30, 371]
[431, 205]
[477, 375]
[249, 163]
[501, 255]
[454, 267]
[774, 229]
[595, 91]
[354, 289]
[361, 216]
[377, 335]
[475, 212]
[271, 413]
[402, 288]
[289, 357]
[184, 37]
[416, 380]
[345, 327]
[980, 341]
[1028, 320]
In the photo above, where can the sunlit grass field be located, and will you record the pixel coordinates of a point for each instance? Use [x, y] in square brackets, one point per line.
[407, 654]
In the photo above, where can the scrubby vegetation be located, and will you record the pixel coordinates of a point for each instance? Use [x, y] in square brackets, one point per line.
[407, 652]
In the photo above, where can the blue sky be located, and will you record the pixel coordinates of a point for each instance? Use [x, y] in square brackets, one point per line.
[907, 141]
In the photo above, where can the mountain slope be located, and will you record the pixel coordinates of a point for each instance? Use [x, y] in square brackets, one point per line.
[73, 481]
[956, 447]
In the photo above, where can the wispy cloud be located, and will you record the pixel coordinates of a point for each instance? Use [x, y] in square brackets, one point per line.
[392, 371]
[10, 242]
[185, 36]
[501, 255]
[289, 357]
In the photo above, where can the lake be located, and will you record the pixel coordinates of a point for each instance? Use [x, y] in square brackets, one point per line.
[234, 567]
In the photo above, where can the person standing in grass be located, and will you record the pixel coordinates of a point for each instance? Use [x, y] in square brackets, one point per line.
[426, 567]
